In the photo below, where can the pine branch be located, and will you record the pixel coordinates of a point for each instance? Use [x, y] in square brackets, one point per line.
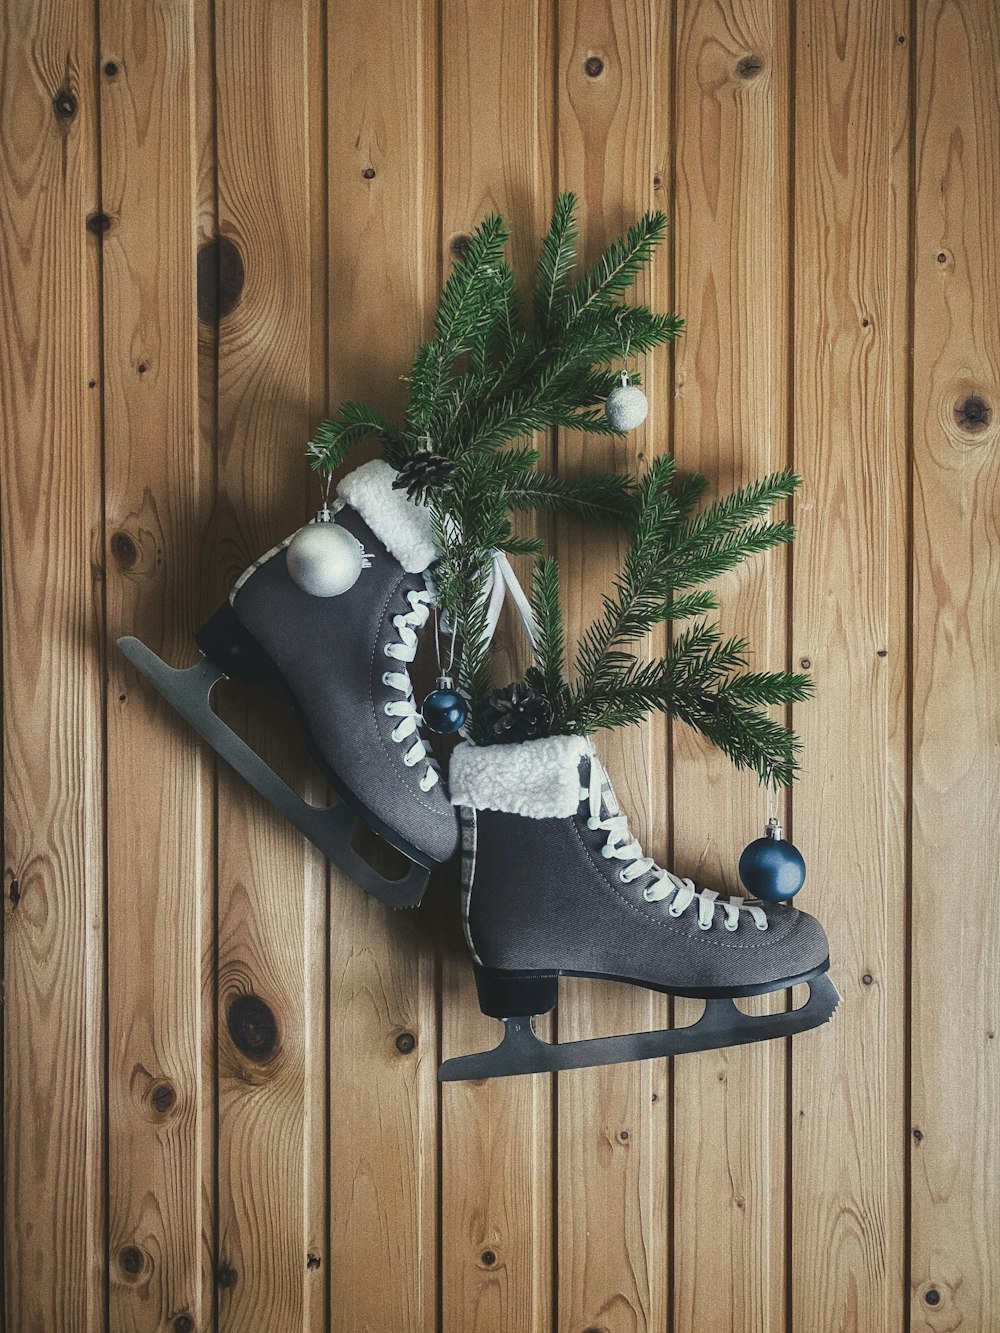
[353, 423]
[556, 261]
[605, 499]
[619, 266]
[460, 312]
[550, 646]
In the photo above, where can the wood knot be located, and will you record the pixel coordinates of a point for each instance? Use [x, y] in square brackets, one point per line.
[406, 1043]
[163, 1097]
[131, 1260]
[932, 1296]
[460, 245]
[488, 1258]
[226, 1276]
[867, 979]
[124, 550]
[749, 67]
[221, 275]
[313, 1260]
[623, 1136]
[593, 67]
[111, 68]
[14, 893]
[973, 414]
[805, 663]
[183, 1324]
[64, 104]
[368, 174]
[918, 1136]
[98, 224]
[253, 1028]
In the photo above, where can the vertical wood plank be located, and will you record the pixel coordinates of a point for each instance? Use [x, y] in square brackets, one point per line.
[954, 1139]
[730, 242]
[849, 410]
[612, 1230]
[159, 828]
[53, 805]
[382, 173]
[272, 913]
[496, 1209]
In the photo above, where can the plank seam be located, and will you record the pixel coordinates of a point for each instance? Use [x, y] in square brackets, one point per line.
[911, 215]
[789, 1194]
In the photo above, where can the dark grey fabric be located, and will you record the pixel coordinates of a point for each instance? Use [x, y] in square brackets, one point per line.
[543, 897]
[329, 651]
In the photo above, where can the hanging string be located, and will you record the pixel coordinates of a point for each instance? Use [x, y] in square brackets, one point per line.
[772, 803]
[437, 648]
[626, 346]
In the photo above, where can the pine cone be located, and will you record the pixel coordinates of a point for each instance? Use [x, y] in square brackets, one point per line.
[423, 472]
[522, 713]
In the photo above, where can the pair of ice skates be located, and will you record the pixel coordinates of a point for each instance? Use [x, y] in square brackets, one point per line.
[553, 882]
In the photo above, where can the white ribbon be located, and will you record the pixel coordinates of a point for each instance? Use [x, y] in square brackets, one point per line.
[504, 581]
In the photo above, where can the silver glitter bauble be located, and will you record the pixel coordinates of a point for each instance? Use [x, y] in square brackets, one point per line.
[324, 559]
[625, 406]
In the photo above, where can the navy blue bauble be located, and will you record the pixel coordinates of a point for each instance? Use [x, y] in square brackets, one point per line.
[771, 868]
[444, 710]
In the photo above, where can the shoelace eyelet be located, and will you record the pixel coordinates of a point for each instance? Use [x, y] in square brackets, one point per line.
[593, 823]
[647, 893]
[607, 852]
[731, 925]
[385, 679]
[671, 911]
[704, 925]
[759, 926]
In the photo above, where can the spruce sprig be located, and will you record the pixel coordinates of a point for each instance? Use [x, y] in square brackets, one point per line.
[702, 680]
[491, 377]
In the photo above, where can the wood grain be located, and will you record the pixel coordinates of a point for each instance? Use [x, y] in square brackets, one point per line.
[954, 1143]
[382, 254]
[159, 828]
[272, 908]
[848, 405]
[53, 805]
[612, 1123]
[731, 261]
[215, 221]
[497, 1181]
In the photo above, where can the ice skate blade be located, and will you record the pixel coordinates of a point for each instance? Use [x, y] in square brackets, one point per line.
[721, 1025]
[330, 828]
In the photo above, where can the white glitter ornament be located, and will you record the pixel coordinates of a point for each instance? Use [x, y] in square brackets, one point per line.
[323, 558]
[625, 406]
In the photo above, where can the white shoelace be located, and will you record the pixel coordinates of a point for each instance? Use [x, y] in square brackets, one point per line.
[404, 649]
[622, 846]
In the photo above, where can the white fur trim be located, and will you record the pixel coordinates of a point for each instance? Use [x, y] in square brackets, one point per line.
[540, 779]
[403, 528]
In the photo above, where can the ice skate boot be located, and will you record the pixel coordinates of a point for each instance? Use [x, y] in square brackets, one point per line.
[342, 660]
[555, 885]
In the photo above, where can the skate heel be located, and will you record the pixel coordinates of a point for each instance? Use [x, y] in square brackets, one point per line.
[515, 994]
[232, 648]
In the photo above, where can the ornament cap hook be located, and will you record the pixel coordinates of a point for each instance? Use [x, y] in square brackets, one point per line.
[774, 829]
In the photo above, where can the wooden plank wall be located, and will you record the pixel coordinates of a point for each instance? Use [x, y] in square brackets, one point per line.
[217, 218]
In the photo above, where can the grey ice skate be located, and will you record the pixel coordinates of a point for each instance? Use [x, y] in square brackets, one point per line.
[555, 885]
[342, 660]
